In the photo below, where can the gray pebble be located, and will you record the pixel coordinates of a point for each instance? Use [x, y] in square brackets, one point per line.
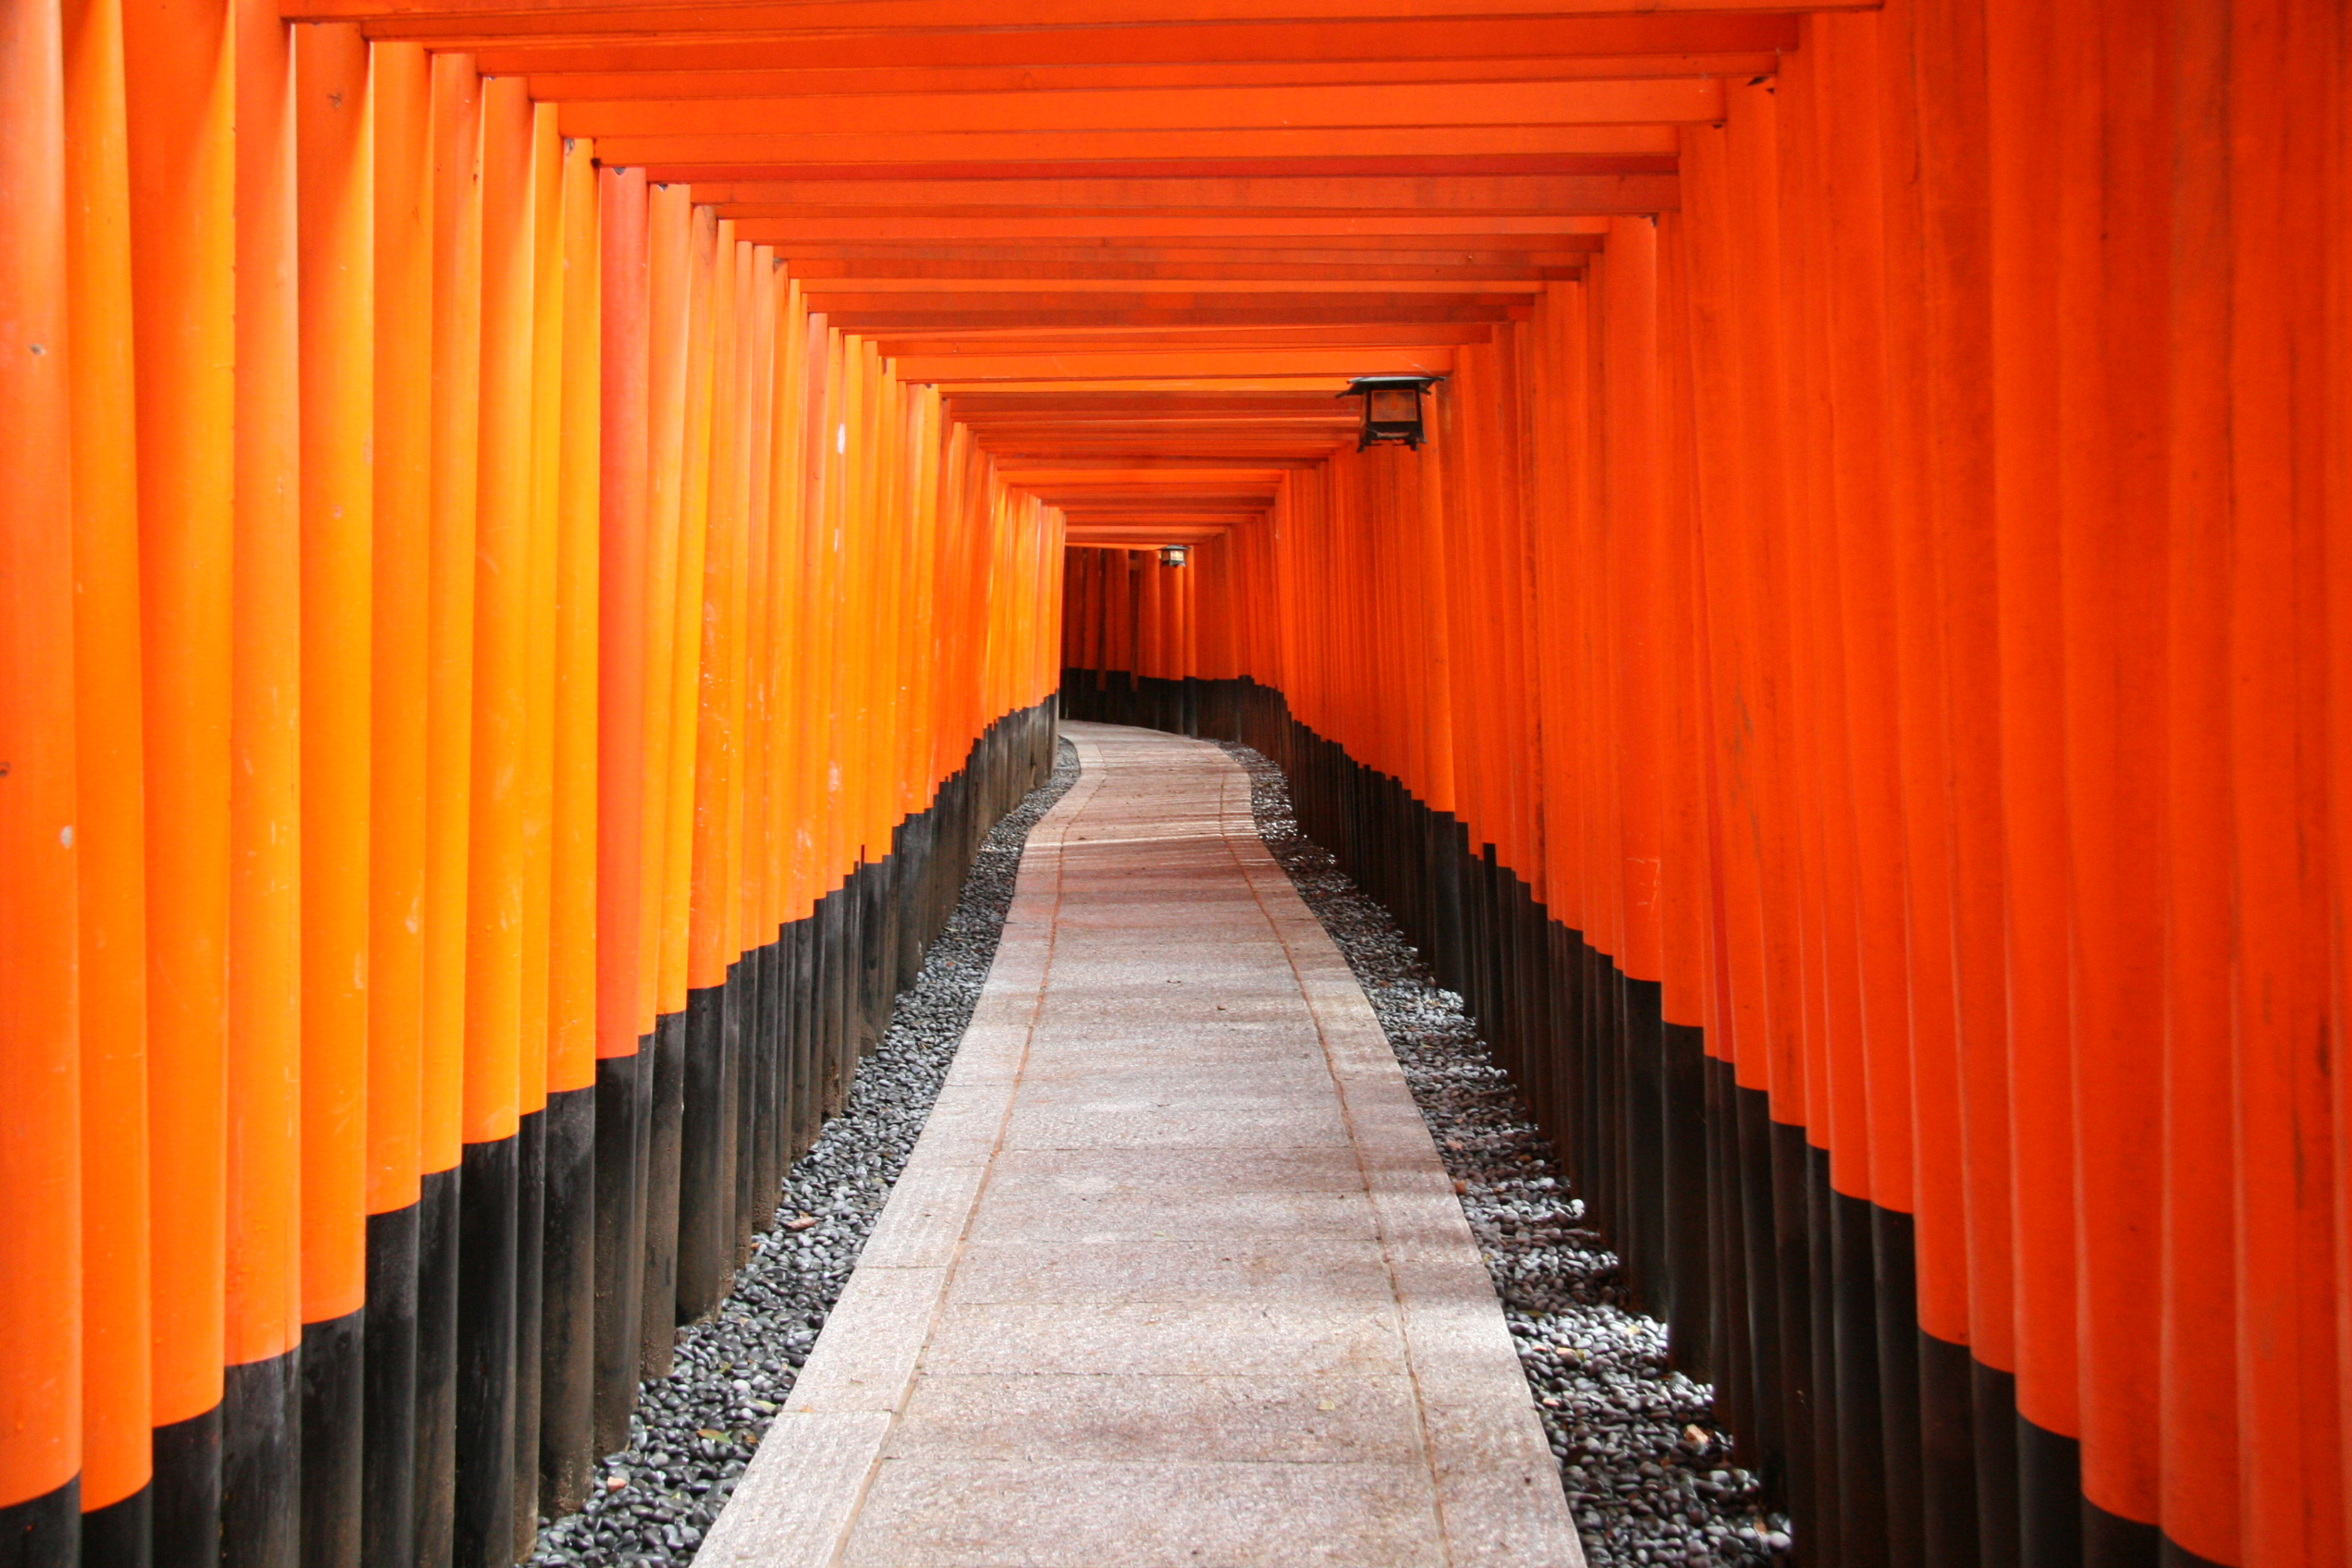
[733, 1370]
[1614, 1411]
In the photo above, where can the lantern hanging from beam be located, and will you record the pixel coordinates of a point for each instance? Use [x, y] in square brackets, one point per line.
[1391, 407]
[1172, 555]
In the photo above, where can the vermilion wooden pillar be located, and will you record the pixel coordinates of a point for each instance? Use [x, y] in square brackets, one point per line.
[335, 252]
[452, 503]
[400, 594]
[179, 89]
[41, 1379]
[623, 1018]
[117, 1499]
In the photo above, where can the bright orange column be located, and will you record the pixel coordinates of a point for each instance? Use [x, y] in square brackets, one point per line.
[41, 1245]
[110, 806]
[454, 405]
[179, 89]
[262, 1404]
[333, 125]
[622, 623]
[622, 1000]
[670, 221]
[399, 685]
[566, 1446]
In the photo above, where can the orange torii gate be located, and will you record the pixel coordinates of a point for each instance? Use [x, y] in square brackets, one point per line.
[535, 543]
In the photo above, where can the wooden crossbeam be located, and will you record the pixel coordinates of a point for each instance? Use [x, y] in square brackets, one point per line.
[783, 19]
[683, 154]
[1517, 104]
[805, 81]
[962, 57]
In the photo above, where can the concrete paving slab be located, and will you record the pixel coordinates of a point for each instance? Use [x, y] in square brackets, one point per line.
[1175, 1275]
[1094, 1514]
[1282, 1420]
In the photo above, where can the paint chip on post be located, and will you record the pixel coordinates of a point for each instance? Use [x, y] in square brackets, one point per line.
[841, 439]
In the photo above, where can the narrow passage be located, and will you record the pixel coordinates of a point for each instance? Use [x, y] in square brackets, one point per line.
[1174, 1274]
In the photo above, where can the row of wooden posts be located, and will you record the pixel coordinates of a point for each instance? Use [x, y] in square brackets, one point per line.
[475, 653]
[1859, 692]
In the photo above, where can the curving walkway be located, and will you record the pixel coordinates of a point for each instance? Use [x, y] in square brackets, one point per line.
[1175, 1276]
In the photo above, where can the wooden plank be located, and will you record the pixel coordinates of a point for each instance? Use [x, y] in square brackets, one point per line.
[767, 225]
[1657, 101]
[821, 288]
[1328, 384]
[1425, 164]
[1211, 45]
[677, 155]
[1524, 251]
[1531, 195]
[799, 17]
[836, 276]
[804, 81]
[914, 313]
[993, 341]
[1057, 365]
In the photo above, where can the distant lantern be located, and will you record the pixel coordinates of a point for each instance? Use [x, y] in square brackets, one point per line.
[1391, 407]
[1172, 555]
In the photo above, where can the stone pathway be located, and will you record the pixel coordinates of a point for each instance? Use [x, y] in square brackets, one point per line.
[1175, 1275]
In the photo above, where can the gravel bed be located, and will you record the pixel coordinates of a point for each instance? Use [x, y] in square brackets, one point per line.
[1649, 1477]
[694, 1430]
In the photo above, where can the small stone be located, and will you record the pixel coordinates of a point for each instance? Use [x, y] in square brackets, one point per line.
[1596, 1369]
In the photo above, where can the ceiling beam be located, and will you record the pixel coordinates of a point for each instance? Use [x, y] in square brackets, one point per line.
[1694, 100]
[1257, 42]
[680, 154]
[765, 223]
[783, 19]
[805, 81]
[1523, 195]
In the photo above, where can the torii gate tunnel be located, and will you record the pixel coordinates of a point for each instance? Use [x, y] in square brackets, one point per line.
[536, 535]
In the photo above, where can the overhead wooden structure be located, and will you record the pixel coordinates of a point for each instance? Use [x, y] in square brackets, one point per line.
[1139, 232]
[534, 537]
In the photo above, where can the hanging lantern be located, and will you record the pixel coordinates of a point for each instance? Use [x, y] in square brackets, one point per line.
[1172, 555]
[1391, 407]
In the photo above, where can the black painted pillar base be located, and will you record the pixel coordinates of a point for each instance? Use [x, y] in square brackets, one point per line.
[187, 1491]
[44, 1531]
[388, 1361]
[482, 1525]
[658, 1324]
[333, 1432]
[624, 1110]
[567, 1302]
[706, 1186]
[437, 1353]
[531, 1225]
[120, 1534]
[1947, 1454]
[261, 1462]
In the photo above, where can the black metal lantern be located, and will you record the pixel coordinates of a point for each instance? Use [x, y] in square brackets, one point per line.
[1172, 555]
[1391, 407]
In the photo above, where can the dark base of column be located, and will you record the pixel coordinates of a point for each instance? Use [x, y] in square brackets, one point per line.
[387, 1457]
[482, 1533]
[44, 1531]
[261, 1462]
[567, 1302]
[436, 1367]
[121, 1535]
[333, 1435]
